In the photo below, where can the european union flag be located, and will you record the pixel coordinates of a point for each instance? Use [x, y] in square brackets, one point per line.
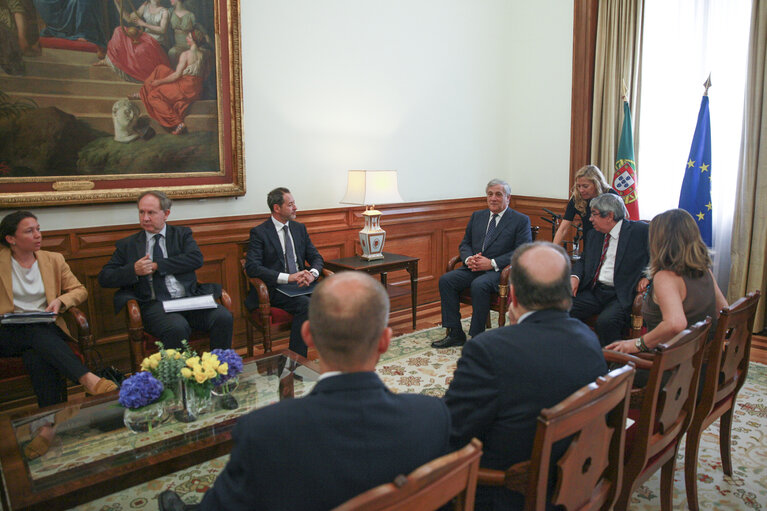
[695, 196]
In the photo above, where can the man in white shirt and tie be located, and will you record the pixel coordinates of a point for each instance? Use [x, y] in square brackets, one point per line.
[158, 263]
[490, 239]
[607, 277]
[278, 253]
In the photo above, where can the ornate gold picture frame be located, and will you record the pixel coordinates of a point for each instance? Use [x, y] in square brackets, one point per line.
[60, 142]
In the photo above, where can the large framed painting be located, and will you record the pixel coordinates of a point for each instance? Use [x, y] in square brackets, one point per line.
[102, 98]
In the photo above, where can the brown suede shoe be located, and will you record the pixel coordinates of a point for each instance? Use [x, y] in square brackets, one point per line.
[37, 447]
[103, 386]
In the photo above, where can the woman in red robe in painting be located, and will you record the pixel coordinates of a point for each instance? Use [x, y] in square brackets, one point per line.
[167, 94]
[135, 52]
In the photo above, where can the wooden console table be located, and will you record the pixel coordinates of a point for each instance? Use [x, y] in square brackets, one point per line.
[390, 262]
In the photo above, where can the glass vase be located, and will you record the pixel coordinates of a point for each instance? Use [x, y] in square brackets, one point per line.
[226, 400]
[193, 403]
[144, 419]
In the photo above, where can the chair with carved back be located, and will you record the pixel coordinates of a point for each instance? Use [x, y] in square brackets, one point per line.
[589, 472]
[142, 343]
[726, 367]
[499, 301]
[662, 411]
[267, 319]
[15, 380]
[428, 487]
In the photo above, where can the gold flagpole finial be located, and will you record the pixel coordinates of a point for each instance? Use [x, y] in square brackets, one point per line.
[707, 84]
[625, 91]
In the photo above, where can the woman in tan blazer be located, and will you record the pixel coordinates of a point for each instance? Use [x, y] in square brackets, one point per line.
[34, 280]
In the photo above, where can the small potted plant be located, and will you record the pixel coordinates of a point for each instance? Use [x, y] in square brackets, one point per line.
[225, 384]
[197, 382]
[141, 395]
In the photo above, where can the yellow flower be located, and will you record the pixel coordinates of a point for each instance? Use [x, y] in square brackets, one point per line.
[200, 377]
[193, 361]
[223, 368]
[171, 352]
[186, 372]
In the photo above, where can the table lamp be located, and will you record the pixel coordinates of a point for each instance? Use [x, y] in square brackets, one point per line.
[368, 188]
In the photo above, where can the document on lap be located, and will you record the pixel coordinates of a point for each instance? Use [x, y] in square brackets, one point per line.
[190, 303]
[294, 289]
[25, 318]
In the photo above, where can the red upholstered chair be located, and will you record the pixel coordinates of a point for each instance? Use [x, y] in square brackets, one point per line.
[662, 411]
[143, 343]
[14, 378]
[499, 301]
[267, 319]
[726, 368]
[589, 473]
[428, 487]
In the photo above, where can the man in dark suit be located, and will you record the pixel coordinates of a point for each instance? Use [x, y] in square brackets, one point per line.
[348, 435]
[507, 375]
[490, 239]
[610, 272]
[158, 263]
[277, 254]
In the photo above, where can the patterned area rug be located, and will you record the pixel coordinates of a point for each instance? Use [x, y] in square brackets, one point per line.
[411, 365]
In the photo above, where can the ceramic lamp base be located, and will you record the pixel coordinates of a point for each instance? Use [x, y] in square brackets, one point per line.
[372, 237]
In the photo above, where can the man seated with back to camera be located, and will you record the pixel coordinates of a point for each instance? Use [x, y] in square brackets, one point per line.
[506, 376]
[610, 271]
[349, 434]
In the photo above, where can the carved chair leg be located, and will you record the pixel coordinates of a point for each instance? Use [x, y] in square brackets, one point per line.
[725, 447]
[691, 467]
[249, 337]
[667, 484]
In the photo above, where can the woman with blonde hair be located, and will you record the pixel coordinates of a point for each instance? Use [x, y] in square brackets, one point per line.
[682, 290]
[589, 183]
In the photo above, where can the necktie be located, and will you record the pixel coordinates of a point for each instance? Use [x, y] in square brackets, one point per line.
[158, 281]
[290, 260]
[601, 259]
[490, 230]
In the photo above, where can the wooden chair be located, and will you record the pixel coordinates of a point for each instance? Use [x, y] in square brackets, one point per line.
[663, 410]
[267, 319]
[428, 487]
[499, 301]
[589, 472]
[143, 343]
[726, 367]
[15, 380]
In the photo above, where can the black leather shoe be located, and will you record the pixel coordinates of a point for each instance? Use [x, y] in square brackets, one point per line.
[453, 338]
[170, 501]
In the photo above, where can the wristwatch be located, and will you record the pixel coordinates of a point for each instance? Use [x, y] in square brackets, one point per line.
[638, 344]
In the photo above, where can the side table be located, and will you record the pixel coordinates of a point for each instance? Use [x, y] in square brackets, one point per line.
[390, 262]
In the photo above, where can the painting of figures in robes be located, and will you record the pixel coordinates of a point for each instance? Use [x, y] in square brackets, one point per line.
[99, 98]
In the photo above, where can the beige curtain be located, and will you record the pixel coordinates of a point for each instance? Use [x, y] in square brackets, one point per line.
[749, 236]
[617, 60]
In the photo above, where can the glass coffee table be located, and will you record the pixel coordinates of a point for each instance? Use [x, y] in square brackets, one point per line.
[94, 454]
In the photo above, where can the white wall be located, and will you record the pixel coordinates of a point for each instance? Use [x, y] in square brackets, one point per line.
[450, 92]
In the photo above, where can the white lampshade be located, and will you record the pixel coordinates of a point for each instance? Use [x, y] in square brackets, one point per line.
[369, 187]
